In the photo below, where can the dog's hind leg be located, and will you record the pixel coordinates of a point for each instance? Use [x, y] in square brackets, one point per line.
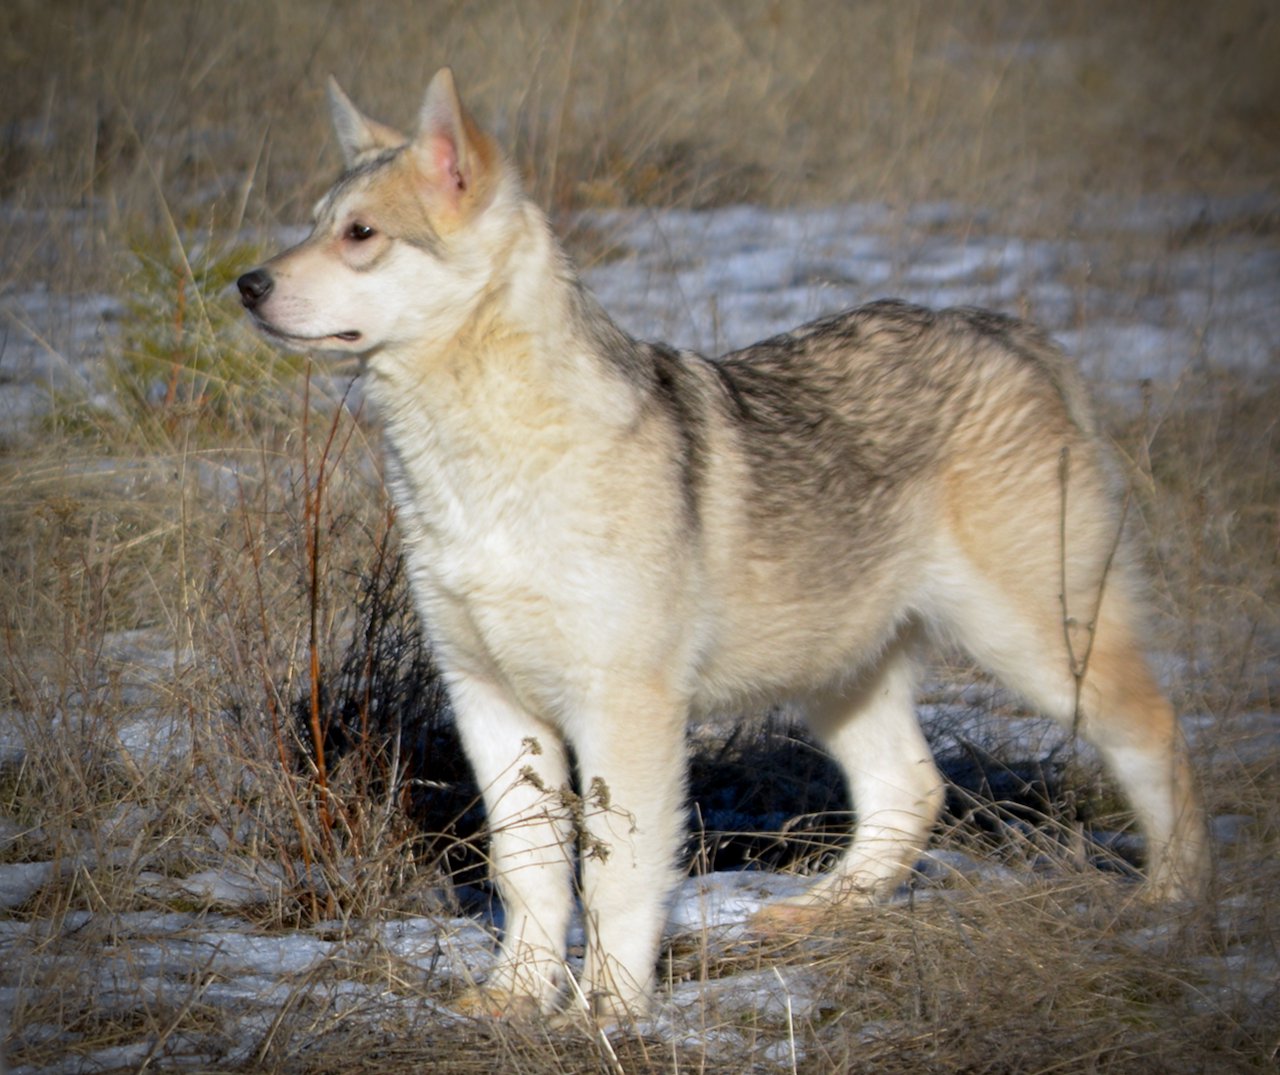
[1129, 720]
[1010, 613]
[520, 765]
[870, 727]
[1114, 703]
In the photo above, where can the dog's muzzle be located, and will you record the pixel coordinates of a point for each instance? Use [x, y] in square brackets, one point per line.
[254, 287]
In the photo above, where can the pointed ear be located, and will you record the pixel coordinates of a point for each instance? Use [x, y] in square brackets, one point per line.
[455, 156]
[358, 135]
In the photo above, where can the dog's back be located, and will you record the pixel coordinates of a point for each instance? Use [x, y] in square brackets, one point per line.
[856, 463]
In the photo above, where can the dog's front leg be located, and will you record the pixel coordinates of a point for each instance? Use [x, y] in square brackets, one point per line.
[520, 765]
[631, 757]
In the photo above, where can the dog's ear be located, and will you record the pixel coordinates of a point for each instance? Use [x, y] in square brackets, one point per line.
[358, 135]
[455, 156]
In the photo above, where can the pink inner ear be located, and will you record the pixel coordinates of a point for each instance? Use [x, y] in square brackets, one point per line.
[442, 152]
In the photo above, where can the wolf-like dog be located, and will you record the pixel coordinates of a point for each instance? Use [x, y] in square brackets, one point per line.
[605, 536]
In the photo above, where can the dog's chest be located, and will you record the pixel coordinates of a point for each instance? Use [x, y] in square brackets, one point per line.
[476, 517]
[505, 556]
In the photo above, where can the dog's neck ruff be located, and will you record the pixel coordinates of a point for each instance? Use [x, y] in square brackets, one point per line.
[533, 342]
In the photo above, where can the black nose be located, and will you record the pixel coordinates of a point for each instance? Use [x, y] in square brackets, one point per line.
[254, 287]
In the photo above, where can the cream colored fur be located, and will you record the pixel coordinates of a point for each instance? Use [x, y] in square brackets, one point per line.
[605, 537]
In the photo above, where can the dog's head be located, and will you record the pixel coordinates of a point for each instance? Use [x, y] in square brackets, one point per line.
[405, 242]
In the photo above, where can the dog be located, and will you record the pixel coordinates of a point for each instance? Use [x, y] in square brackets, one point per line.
[606, 536]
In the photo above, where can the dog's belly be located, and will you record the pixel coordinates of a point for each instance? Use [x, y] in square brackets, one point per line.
[774, 652]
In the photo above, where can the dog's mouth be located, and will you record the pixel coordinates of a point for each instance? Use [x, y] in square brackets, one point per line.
[346, 336]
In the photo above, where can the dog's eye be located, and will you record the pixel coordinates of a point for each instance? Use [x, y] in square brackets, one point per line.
[359, 232]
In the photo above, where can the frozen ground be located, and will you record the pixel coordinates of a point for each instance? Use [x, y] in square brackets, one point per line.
[709, 280]
[720, 280]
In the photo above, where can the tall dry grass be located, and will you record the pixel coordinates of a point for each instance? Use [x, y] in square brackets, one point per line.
[125, 113]
[201, 554]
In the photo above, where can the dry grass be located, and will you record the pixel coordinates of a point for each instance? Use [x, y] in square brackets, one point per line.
[172, 555]
[1031, 109]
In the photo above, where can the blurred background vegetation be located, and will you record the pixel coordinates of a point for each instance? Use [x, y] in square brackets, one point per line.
[124, 112]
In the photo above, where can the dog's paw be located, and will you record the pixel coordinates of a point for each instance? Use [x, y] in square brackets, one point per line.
[481, 1002]
[576, 1017]
[600, 1011]
[788, 920]
[797, 917]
